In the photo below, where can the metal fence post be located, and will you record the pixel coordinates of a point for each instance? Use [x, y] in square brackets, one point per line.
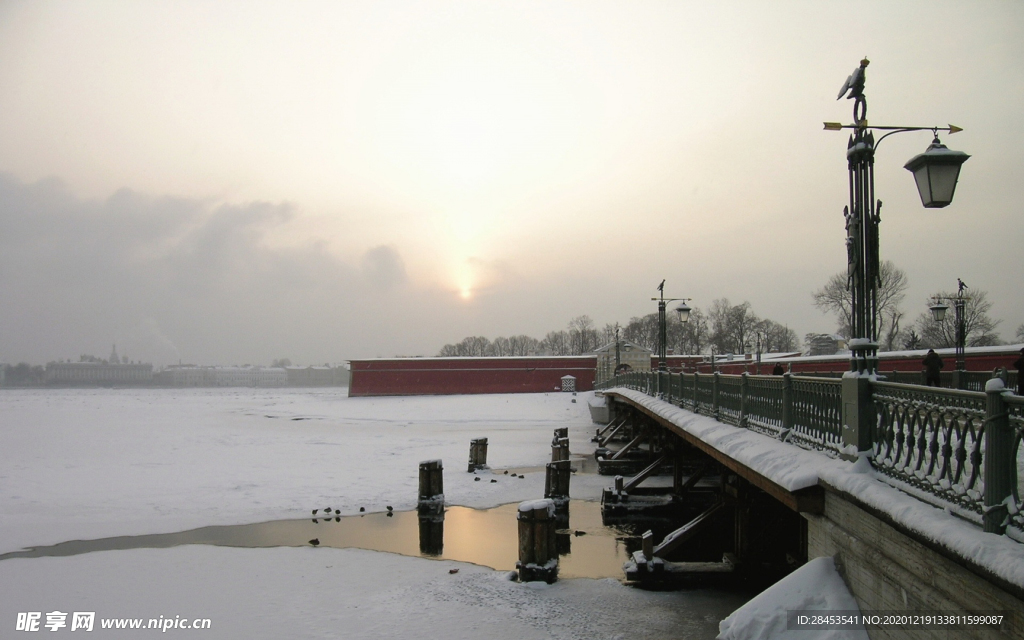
[999, 464]
[744, 385]
[696, 381]
[714, 396]
[787, 400]
[859, 416]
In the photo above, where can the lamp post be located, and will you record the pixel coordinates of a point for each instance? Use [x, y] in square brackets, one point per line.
[939, 308]
[682, 312]
[935, 171]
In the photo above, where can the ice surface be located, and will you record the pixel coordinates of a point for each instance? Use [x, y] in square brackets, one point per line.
[91, 463]
[97, 463]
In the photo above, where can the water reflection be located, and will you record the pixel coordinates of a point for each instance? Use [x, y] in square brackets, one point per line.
[486, 537]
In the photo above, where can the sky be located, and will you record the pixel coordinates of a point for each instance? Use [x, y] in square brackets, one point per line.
[235, 182]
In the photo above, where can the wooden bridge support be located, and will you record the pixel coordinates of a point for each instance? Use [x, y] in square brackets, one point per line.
[560, 445]
[556, 482]
[477, 454]
[538, 547]
[431, 497]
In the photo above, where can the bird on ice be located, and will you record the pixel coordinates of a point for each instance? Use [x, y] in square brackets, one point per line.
[314, 541]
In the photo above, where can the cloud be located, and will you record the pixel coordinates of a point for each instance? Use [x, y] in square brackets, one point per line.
[384, 268]
[171, 277]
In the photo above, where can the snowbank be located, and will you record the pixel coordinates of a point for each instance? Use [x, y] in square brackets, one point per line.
[816, 586]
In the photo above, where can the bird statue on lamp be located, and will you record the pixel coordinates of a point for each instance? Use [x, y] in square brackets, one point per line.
[855, 83]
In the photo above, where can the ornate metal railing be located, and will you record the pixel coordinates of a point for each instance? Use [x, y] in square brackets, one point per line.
[956, 449]
[932, 440]
[802, 410]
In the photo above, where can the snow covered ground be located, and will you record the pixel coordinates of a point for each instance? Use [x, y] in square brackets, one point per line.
[80, 464]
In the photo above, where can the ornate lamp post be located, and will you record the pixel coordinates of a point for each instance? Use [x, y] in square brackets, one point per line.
[682, 312]
[935, 171]
[939, 308]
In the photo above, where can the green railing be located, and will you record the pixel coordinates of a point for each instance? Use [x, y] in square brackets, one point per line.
[963, 380]
[932, 440]
[956, 449]
[802, 410]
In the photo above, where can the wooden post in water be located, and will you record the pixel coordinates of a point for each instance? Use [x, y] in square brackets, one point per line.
[431, 498]
[556, 483]
[560, 445]
[477, 454]
[538, 548]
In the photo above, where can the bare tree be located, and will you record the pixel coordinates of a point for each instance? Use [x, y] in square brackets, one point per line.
[979, 328]
[607, 334]
[582, 335]
[523, 345]
[777, 337]
[501, 347]
[1019, 335]
[835, 298]
[690, 337]
[642, 331]
[732, 326]
[557, 343]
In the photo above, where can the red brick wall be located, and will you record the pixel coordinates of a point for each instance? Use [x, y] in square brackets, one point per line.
[441, 376]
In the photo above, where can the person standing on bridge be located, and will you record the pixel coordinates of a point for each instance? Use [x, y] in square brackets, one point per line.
[932, 366]
[1019, 364]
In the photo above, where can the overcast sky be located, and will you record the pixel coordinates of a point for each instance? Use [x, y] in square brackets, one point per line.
[233, 182]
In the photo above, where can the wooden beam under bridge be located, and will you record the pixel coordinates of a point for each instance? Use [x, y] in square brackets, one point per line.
[807, 500]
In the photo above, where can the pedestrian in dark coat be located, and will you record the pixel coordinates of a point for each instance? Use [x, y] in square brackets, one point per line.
[777, 370]
[1019, 364]
[932, 366]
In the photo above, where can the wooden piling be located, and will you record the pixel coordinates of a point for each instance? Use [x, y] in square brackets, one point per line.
[560, 445]
[538, 548]
[556, 482]
[431, 498]
[477, 454]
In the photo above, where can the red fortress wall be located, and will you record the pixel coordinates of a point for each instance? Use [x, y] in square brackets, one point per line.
[445, 376]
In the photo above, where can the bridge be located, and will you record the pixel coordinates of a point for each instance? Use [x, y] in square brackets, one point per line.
[914, 491]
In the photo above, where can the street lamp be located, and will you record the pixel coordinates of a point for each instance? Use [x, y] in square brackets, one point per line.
[939, 308]
[682, 312]
[935, 171]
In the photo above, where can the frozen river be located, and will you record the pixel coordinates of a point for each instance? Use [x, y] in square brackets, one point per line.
[83, 464]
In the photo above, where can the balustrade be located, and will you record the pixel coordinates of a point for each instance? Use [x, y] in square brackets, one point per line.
[935, 443]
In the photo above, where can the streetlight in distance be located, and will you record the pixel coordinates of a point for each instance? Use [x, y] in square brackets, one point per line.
[682, 312]
[936, 172]
[939, 308]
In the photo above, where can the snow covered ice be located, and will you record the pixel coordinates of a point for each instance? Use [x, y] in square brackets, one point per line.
[93, 463]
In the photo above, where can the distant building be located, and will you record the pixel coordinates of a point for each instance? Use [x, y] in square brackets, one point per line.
[324, 376]
[635, 357]
[824, 344]
[98, 373]
[204, 376]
